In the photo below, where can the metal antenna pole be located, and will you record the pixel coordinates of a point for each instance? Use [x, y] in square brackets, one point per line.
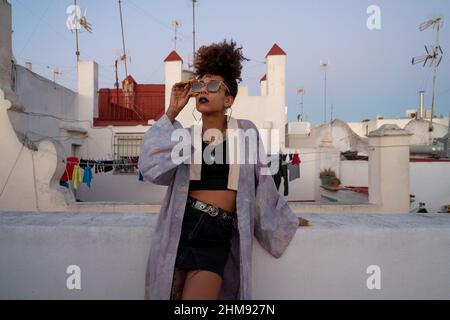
[77, 53]
[193, 27]
[176, 24]
[324, 66]
[176, 37]
[302, 105]
[325, 98]
[436, 47]
[301, 91]
[116, 85]
[123, 40]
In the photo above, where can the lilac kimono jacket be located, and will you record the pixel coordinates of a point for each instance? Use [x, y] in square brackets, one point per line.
[262, 211]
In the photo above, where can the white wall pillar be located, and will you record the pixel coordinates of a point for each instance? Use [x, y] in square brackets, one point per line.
[87, 91]
[263, 86]
[5, 46]
[173, 73]
[389, 184]
[276, 89]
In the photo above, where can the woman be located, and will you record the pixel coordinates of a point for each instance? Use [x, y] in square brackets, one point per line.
[202, 244]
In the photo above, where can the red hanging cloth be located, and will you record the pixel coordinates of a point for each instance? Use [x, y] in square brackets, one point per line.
[71, 162]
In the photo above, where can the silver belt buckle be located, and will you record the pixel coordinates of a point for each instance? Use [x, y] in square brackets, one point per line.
[209, 209]
[213, 211]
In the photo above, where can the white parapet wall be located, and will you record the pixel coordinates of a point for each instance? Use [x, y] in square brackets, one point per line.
[327, 261]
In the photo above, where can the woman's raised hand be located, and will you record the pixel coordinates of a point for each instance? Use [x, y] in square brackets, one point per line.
[179, 98]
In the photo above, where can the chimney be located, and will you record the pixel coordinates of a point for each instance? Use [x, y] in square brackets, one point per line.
[173, 73]
[263, 86]
[422, 94]
[29, 65]
[87, 90]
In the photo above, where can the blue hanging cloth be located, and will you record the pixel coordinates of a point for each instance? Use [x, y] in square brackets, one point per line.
[87, 176]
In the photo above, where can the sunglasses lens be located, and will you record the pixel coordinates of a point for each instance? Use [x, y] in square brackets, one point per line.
[213, 86]
[197, 87]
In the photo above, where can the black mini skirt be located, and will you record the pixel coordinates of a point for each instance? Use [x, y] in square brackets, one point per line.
[205, 241]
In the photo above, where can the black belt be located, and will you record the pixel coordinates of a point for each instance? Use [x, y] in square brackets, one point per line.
[213, 211]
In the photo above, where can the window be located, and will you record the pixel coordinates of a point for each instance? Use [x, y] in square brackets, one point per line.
[126, 149]
[75, 149]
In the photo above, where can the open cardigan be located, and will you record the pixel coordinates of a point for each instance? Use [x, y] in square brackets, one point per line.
[262, 211]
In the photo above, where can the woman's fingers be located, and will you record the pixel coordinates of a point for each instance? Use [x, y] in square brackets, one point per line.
[181, 88]
[181, 85]
[304, 223]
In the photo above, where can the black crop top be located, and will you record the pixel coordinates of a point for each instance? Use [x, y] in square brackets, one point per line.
[213, 176]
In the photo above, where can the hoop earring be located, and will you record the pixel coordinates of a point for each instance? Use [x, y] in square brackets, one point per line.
[195, 117]
[229, 116]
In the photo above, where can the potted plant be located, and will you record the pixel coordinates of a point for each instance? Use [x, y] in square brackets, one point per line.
[328, 178]
[334, 182]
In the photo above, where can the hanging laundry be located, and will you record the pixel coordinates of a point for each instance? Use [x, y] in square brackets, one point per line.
[121, 164]
[294, 171]
[76, 177]
[87, 176]
[135, 161]
[104, 166]
[282, 173]
[64, 184]
[70, 164]
[296, 159]
[109, 166]
[86, 163]
[98, 167]
[276, 176]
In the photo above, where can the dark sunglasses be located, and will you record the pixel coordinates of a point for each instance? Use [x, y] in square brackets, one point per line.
[212, 86]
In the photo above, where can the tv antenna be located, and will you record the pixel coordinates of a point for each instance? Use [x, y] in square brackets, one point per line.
[120, 58]
[324, 65]
[124, 54]
[301, 92]
[433, 58]
[56, 72]
[176, 24]
[77, 22]
[194, 3]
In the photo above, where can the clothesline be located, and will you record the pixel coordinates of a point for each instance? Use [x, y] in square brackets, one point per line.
[115, 162]
[133, 159]
[74, 167]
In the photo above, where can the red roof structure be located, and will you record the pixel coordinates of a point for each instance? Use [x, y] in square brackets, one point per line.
[276, 51]
[133, 104]
[173, 56]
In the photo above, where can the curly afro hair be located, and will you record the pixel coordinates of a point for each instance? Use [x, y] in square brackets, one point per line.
[223, 59]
